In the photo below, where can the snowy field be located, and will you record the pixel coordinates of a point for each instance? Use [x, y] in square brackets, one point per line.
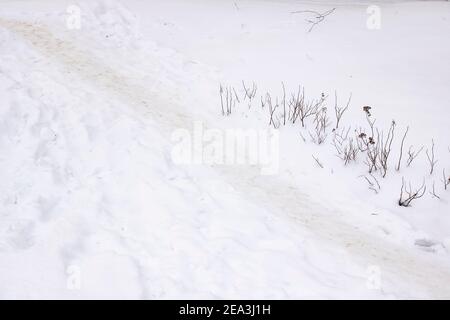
[155, 149]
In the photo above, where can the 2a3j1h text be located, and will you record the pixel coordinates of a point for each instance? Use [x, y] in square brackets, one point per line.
[249, 310]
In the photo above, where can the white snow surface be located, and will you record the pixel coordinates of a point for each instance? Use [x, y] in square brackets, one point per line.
[92, 205]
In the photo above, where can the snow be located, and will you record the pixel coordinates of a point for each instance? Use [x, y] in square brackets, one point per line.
[93, 205]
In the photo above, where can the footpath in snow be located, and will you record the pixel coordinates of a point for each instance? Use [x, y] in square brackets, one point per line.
[93, 206]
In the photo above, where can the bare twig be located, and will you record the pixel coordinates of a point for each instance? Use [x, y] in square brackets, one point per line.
[317, 17]
[431, 158]
[401, 150]
[295, 103]
[373, 184]
[236, 96]
[376, 181]
[386, 147]
[303, 109]
[346, 149]
[249, 93]
[303, 138]
[339, 111]
[433, 193]
[445, 179]
[263, 103]
[407, 195]
[221, 99]
[339, 139]
[321, 122]
[227, 99]
[318, 162]
[284, 104]
[367, 142]
[272, 110]
[412, 155]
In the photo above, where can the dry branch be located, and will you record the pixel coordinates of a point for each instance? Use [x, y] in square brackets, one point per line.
[249, 93]
[431, 158]
[321, 122]
[317, 16]
[228, 99]
[445, 179]
[374, 185]
[386, 147]
[401, 150]
[318, 162]
[433, 193]
[339, 111]
[408, 195]
[412, 155]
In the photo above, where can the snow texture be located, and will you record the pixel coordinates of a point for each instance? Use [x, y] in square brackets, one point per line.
[92, 204]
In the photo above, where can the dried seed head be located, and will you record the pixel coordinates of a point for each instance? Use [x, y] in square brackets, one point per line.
[367, 109]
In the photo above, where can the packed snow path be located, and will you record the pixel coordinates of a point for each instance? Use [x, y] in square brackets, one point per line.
[293, 248]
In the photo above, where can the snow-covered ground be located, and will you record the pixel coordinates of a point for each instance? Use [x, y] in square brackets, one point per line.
[98, 201]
